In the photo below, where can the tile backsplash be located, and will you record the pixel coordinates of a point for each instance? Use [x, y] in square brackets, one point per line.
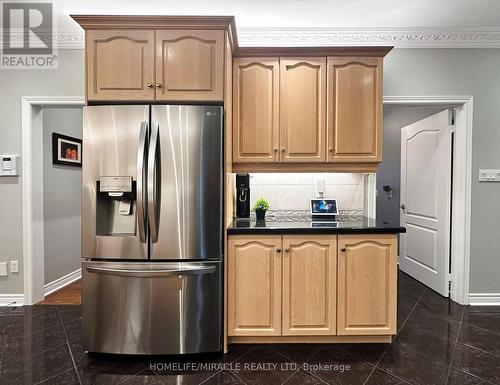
[293, 191]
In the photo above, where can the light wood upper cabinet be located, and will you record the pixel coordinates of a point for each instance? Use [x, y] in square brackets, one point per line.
[254, 286]
[120, 65]
[367, 284]
[354, 109]
[302, 109]
[309, 284]
[255, 110]
[189, 65]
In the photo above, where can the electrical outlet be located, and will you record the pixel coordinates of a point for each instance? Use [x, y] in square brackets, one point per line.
[14, 266]
[489, 175]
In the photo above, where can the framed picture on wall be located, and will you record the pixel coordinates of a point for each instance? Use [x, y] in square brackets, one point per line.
[66, 150]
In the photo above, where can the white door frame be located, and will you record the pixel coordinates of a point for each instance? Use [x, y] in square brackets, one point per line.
[462, 182]
[32, 182]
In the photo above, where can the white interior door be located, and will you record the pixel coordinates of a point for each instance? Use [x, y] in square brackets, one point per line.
[426, 155]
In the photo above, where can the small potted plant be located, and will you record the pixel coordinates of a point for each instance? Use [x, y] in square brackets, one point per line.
[261, 206]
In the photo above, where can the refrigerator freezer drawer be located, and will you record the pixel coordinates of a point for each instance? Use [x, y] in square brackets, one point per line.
[152, 308]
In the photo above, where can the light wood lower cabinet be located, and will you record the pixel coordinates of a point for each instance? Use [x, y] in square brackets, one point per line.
[309, 285]
[367, 284]
[254, 286]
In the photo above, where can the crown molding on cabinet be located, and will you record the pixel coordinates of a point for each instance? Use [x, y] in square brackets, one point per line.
[317, 37]
[159, 22]
[304, 51]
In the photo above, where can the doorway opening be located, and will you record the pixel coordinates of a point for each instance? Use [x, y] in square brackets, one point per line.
[36, 155]
[411, 188]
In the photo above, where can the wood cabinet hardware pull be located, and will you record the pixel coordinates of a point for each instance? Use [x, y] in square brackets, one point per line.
[278, 250]
[343, 249]
[157, 85]
[283, 149]
[287, 250]
[330, 149]
[275, 149]
[149, 84]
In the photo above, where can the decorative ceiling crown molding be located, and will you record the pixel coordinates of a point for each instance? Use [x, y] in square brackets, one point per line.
[296, 37]
[401, 38]
[60, 40]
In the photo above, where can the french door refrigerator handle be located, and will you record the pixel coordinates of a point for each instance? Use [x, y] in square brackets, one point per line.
[150, 273]
[154, 190]
[141, 190]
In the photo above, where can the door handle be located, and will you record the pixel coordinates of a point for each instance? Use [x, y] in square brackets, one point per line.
[150, 272]
[140, 181]
[154, 182]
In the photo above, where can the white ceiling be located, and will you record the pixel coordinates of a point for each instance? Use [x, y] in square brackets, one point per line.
[289, 22]
[309, 13]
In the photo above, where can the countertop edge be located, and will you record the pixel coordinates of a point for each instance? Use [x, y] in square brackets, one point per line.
[373, 230]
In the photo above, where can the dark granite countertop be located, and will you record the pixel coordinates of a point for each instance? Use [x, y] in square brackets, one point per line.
[361, 225]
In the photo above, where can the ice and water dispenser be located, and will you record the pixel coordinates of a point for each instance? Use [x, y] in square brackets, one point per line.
[115, 205]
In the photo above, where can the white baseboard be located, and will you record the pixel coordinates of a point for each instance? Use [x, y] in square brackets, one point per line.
[11, 299]
[484, 299]
[62, 282]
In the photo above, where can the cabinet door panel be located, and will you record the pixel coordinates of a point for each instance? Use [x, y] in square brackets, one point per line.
[189, 65]
[309, 285]
[302, 109]
[254, 286]
[256, 110]
[354, 109]
[367, 284]
[120, 65]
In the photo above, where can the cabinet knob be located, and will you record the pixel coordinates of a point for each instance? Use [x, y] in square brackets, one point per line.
[275, 149]
[343, 249]
[330, 149]
[157, 85]
[278, 250]
[287, 250]
[149, 84]
[283, 149]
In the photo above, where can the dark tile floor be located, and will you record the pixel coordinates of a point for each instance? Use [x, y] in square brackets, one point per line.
[438, 342]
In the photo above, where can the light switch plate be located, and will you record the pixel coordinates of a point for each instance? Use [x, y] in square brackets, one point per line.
[489, 175]
[320, 187]
[3, 269]
[14, 266]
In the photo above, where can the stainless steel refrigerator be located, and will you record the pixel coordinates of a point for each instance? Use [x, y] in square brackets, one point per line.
[152, 229]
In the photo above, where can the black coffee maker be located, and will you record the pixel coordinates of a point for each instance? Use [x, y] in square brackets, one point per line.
[242, 196]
